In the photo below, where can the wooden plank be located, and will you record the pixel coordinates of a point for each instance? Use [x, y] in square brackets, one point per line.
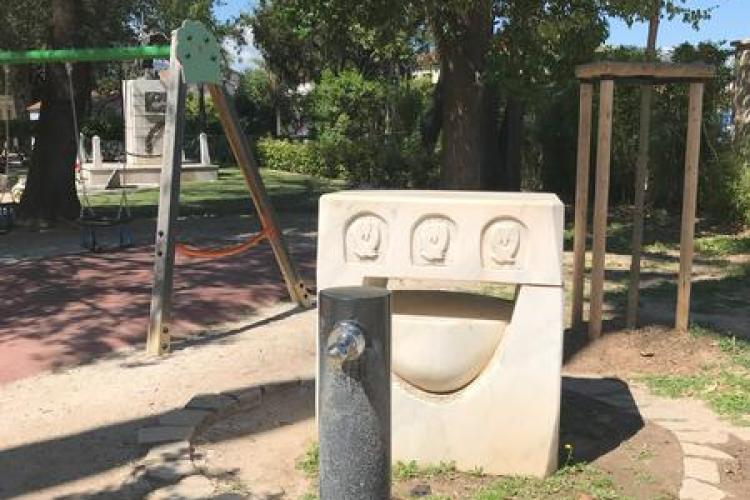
[644, 70]
[241, 148]
[641, 174]
[601, 201]
[582, 200]
[158, 337]
[689, 203]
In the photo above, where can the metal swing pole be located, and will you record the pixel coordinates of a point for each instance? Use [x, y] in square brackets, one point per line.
[158, 337]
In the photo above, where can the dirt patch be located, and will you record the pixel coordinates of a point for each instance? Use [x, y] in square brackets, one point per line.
[256, 450]
[450, 484]
[651, 350]
[735, 475]
[259, 450]
[646, 466]
[643, 459]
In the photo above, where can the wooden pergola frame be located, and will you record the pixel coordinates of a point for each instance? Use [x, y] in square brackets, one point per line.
[606, 73]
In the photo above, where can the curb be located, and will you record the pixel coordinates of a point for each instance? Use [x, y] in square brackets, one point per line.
[170, 463]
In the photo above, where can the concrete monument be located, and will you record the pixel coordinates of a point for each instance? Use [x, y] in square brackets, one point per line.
[476, 379]
[145, 112]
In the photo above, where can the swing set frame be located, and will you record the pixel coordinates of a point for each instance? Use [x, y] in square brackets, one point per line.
[194, 58]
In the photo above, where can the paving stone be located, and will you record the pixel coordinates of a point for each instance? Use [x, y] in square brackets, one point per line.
[697, 450]
[165, 434]
[702, 469]
[276, 387]
[682, 425]
[702, 437]
[659, 410]
[186, 416]
[170, 472]
[742, 433]
[696, 490]
[168, 452]
[211, 402]
[247, 398]
[274, 493]
[190, 488]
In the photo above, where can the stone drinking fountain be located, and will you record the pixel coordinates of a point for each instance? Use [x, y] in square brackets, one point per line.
[476, 378]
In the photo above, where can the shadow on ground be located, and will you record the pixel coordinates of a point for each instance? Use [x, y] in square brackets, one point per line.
[36, 466]
[590, 427]
[67, 310]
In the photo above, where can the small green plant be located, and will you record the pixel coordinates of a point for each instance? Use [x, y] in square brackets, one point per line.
[477, 471]
[403, 471]
[569, 483]
[658, 247]
[309, 462]
[723, 244]
[569, 454]
[645, 454]
[727, 392]
[644, 477]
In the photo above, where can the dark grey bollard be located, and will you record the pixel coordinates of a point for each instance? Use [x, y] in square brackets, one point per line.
[354, 393]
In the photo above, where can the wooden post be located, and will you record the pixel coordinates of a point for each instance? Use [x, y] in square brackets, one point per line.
[641, 170]
[689, 202]
[601, 201]
[158, 338]
[582, 200]
[242, 152]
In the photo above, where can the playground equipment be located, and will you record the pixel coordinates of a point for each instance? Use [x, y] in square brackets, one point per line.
[90, 221]
[475, 379]
[7, 113]
[606, 73]
[195, 58]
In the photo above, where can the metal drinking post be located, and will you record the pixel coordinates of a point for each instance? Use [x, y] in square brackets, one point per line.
[354, 393]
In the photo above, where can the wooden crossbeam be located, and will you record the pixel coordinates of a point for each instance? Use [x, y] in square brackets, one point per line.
[656, 71]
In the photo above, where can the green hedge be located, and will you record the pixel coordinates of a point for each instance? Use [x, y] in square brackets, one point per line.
[299, 157]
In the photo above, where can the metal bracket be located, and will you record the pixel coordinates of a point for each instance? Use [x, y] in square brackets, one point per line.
[199, 53]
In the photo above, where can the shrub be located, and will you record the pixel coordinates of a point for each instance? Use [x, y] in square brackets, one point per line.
[299, 157]
[368, 131]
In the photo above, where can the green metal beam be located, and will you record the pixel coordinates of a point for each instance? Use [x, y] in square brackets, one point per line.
[85, 55]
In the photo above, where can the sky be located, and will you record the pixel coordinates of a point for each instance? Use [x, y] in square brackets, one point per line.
[729, 21]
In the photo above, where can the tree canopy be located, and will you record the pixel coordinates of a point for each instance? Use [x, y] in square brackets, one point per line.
[492, 53]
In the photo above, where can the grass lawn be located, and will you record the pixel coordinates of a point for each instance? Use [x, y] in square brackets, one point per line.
[571, 482]
[289, 192]
[724, 384]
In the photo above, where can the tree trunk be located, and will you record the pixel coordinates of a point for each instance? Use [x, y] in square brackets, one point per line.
[50, 188]
[502, 143]
[512, 133]
[462, 43]
[431, 122]
[492, 164]
[277, 110]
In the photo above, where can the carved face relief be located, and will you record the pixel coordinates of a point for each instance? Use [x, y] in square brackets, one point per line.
[501, 245]
[364, 238]
[431, 241]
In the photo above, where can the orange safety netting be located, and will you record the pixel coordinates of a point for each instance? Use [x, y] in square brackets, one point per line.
[214, 253]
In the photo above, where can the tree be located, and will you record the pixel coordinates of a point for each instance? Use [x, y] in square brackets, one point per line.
[50, 189]
[481, 44]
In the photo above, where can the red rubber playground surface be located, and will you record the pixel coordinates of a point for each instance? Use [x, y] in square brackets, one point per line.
[61, 311]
